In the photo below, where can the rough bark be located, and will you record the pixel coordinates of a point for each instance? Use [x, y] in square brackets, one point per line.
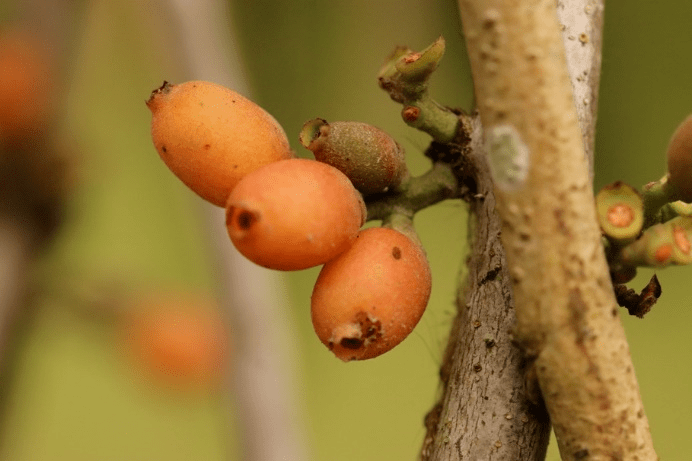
[485, 302]
[581, 23]
[567, 317]
[487, 410]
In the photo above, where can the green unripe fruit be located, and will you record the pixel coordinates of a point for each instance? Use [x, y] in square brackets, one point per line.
[369, 157]
[679, 158]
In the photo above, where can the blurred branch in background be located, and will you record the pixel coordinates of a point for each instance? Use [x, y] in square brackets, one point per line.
[35, 167]
[264, 352]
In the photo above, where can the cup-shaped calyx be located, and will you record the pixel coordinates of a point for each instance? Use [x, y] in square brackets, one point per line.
[369, 157]
[405, 74]
[620, 212]
[661, 245]
[679, 156]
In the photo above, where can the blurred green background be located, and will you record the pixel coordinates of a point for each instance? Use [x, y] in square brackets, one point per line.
[73, 396]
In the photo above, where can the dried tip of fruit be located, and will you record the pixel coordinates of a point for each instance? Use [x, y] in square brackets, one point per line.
[153, 98]
[312, 130]
[679, 156]
[620, 211]
[348, 338]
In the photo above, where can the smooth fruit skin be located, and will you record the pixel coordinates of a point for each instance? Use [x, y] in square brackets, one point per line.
[178, 341]
[371, 297]
[294, 214]
[27, 86]
[679, 156]
[211, 137]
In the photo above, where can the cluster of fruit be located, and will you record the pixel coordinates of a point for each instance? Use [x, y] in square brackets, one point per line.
[289, 213]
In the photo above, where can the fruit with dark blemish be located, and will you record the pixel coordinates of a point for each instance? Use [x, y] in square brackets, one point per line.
[369, 299]
[294, 214]
[211, 137]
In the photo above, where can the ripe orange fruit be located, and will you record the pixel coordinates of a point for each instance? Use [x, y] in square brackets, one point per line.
[211, 137]
[368, 299]
[294, 214]
[26, 85]
[179, 342]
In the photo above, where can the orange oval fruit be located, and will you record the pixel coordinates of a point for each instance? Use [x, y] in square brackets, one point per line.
[27, 78]
[211, 137]
[294, 214]
[368, 300]
[179, 342]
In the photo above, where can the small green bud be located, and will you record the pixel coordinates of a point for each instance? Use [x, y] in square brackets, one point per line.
[679, 156]
[418, 66]
[404, 76]
[620, 211]
[372, 160]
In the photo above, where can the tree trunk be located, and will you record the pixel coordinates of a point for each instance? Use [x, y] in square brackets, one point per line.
[567, 317]
[488, 409]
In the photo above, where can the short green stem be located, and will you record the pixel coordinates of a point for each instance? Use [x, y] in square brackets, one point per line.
[437, 184]
[427, 115]
[656, 194]
[405, 79]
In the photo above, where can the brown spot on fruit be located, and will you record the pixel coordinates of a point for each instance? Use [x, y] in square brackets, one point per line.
[351, 343]
[396, 253]
[245, 219]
